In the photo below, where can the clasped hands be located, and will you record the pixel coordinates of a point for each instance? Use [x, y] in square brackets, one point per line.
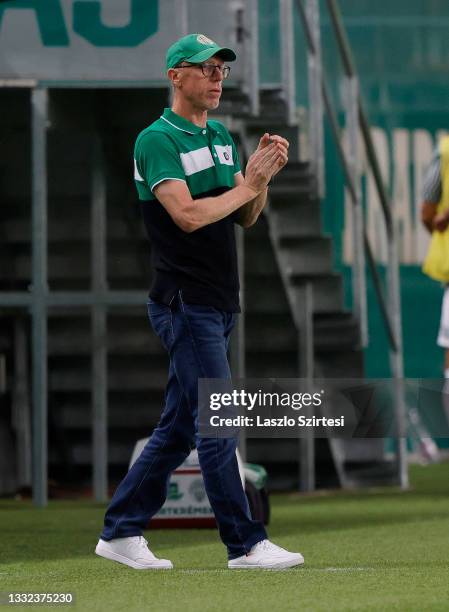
[267, 160]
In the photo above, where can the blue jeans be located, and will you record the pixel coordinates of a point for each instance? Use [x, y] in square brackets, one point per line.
[196, 338]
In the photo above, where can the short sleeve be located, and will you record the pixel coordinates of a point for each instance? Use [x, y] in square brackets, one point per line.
[432, 188]
[236, 158]
[156, 159]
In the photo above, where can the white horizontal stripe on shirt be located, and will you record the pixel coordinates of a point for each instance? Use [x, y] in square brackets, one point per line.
[196, 161]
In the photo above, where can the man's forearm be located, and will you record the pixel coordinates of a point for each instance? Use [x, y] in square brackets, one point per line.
[428, 214]
[249, 213]
[429, 226]
[209, 210]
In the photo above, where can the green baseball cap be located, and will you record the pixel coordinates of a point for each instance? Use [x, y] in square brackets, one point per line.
[196, 48]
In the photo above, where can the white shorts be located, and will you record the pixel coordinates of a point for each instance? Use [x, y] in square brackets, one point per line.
[443, 334]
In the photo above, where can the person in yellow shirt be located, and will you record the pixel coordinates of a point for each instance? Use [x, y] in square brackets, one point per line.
[435, 217]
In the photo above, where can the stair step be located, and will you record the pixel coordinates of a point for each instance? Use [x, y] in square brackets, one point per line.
[130, 375]
[76, 341]
[340, 362]
[81, 315]
[334, 319]
[71, 229]
[119, 453]
[270, 333]
[266, 365]
[307, 255]
[335, 331]
[17, 206]
[272, 105]
[61, 262]
[273, 110]
[233, 102]
[265, 297]
[292, 201]
[294, 171]
[125, 414]
[272, 95]
[332, 331]
[272, 121]
[327, 290]
[299, 221]
[259, 262]
[132, 337]
[289, 191]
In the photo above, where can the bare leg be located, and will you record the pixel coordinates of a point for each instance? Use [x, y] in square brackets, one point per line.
[446, 385]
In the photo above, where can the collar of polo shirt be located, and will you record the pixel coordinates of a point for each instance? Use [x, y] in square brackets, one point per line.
[182, 124]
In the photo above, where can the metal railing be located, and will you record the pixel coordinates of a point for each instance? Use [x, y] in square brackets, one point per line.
[356, 118]
[287, 40]
[39, 299]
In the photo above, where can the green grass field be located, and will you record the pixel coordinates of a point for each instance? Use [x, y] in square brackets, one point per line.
[382, 550]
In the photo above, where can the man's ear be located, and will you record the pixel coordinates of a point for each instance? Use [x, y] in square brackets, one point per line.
[174, 76]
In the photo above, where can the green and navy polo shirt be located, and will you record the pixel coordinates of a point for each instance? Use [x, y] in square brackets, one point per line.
[202, 264]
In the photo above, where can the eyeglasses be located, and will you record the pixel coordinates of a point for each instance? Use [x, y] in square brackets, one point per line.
[208, 70]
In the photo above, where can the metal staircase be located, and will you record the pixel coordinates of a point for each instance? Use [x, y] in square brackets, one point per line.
[303, 257]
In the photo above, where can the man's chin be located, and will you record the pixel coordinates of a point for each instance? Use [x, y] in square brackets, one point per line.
[213, 104]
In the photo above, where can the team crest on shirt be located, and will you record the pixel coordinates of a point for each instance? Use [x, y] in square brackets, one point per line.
[204, 40]
[224, 154]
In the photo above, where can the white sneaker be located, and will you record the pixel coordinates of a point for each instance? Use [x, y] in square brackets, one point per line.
[132, 551]
[266, 555]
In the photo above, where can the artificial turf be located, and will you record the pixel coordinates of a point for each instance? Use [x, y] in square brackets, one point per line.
[382, 550]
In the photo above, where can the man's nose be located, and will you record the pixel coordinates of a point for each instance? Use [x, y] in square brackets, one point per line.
[217, 75]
